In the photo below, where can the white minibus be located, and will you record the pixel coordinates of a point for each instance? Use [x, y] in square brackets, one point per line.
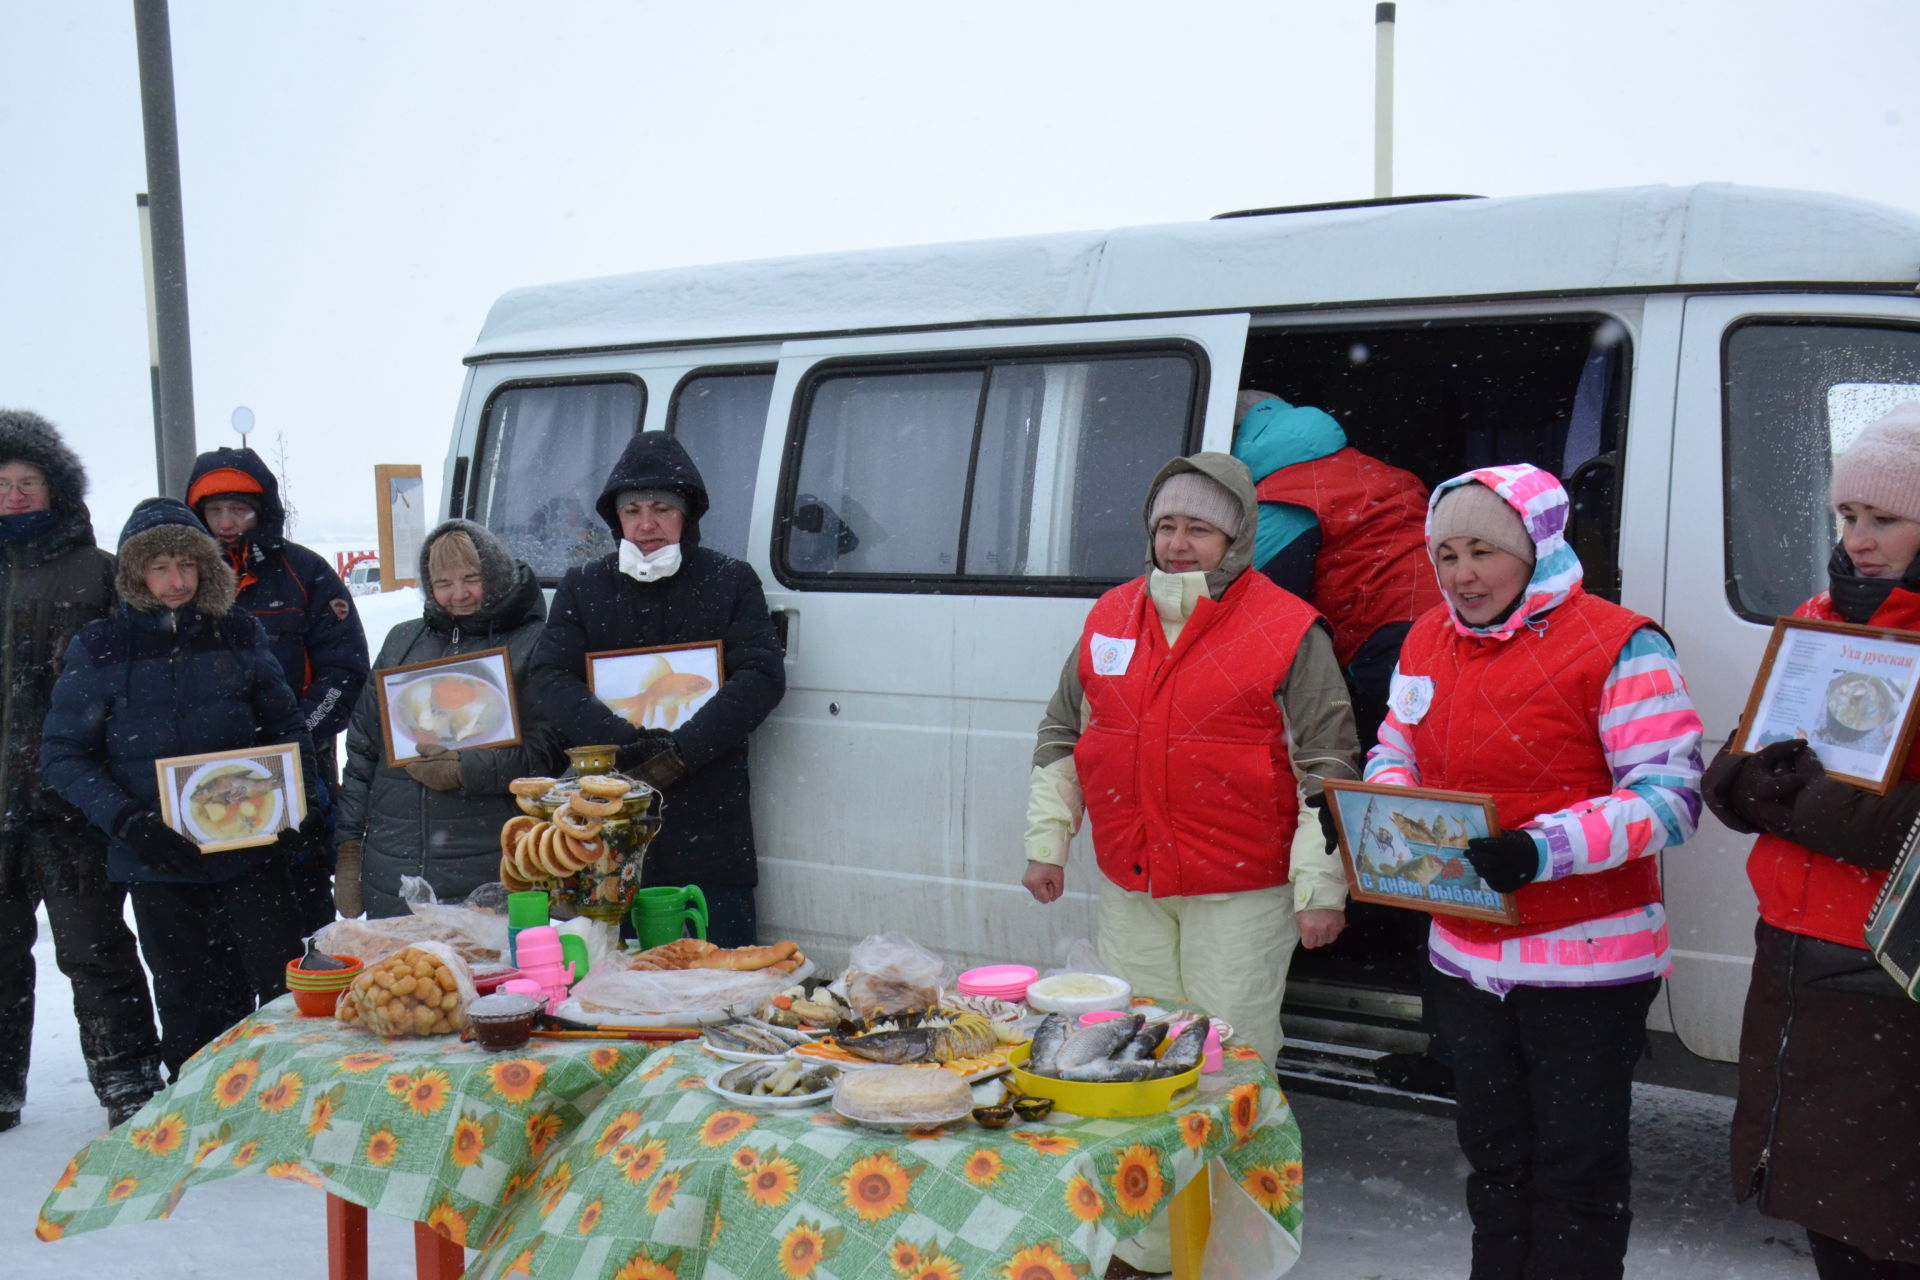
[935, 458]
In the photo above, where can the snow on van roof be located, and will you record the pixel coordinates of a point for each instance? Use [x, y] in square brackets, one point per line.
[1710, 235]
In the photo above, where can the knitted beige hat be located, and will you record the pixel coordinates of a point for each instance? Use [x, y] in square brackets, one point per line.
[1201, 497]
[1472, 510]
[1882, 466]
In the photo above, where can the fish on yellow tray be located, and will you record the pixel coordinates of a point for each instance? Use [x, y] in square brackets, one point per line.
[662, 690]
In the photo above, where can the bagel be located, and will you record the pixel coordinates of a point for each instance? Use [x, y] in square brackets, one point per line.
[593, 807]
[603, 786]
[576, 825]
[513, 883]
[529, 807]
[550, 855]
[531, 787]
[583, 853]
[510, 832]
[523, 863]
[535, 858]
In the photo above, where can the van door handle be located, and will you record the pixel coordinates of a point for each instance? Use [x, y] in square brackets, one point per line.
[783, 629]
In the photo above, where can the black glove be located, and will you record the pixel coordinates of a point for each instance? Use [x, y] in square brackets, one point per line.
[159, 846]
[1323, 811]
[304, 843]
[1756, 793]
[635, 756]
[1505, 862]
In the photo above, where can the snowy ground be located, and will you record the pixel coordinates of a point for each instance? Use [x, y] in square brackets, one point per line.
[1383, 1192]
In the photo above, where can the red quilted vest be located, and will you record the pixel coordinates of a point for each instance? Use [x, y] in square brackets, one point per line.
[1807, 892]
[1184, 759]
[1372, 568]
[1519, 720]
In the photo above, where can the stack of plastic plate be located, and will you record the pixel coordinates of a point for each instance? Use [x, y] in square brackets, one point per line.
[1001, 981]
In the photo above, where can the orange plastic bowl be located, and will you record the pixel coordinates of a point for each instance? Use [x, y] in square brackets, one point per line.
[315, 990]
[316, 1004]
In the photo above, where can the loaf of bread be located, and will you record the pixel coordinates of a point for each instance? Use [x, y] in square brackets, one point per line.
[681, 953]
[740, 958]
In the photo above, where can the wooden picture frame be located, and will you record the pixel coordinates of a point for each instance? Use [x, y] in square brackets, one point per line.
[416, 706]
[1893, 926]
[1410, 825]
[270, 774]
[400, 503]
[1852, 692]
[660, 686]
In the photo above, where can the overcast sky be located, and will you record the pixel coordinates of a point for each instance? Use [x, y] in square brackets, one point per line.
[361, 180]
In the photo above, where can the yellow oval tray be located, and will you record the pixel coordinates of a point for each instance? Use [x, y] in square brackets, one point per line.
[1085, 1098]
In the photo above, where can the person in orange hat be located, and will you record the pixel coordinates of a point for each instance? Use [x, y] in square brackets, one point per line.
[311, 624]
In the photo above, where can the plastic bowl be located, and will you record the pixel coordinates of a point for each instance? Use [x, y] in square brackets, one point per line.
[316, 1004]
[1079, 993]
[299, 979]
[1002, 981]
[1083, 1098]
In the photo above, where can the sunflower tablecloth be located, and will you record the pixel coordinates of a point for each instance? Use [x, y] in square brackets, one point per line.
[664, 1180]
[430, 1130]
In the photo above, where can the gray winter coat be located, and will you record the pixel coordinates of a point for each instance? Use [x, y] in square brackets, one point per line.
[450, 838]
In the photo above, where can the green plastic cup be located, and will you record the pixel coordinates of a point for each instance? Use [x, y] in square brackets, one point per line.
[662, 914]
[525, 910]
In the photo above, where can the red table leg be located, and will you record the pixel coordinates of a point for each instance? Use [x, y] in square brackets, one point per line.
[435, 1257]
[346, 1239]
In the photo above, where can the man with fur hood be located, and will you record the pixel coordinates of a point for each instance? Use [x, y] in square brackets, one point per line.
[312, 627]
[53, 581]
[661, 587]
[177, 670]
[439, 817]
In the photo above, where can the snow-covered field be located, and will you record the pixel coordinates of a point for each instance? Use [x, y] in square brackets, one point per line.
[1383, 1194]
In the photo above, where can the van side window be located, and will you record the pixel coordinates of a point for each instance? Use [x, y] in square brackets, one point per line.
[1796, 393]
[544, 452]
[720, 417]
[1008, 471]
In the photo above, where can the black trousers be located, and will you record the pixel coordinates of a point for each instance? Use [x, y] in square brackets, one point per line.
[190, 933]
[95, 949]
[1545, 1081]
[1838, 1260]
[730, 915]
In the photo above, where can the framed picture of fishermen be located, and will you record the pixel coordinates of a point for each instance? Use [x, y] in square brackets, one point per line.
[458, 702]
[1850, 691]
[658, 687]
[1406, 847]
[1893, 926]
[233, 799]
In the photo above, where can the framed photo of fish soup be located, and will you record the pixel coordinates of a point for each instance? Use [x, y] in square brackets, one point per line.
[457, 702]
[238, 799]
[1406, 847]
[1849, 691]
[657, 687]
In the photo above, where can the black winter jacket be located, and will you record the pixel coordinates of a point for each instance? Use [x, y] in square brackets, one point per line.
[50, 587]
[147, 683]
[450, 838]
[707, 837]
[311, 624]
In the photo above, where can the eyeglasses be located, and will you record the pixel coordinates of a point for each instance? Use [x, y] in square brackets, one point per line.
[26, 487]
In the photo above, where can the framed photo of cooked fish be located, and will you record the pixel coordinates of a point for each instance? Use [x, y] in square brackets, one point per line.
[1406, 847]
[458, 702]
[233, 799]
[660, 687]
[1849, 691]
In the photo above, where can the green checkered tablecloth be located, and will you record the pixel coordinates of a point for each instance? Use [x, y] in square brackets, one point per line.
[666, 1180]
[431, 1130]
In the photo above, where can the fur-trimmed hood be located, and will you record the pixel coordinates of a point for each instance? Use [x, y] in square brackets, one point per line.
[156, 529]
[25, 436]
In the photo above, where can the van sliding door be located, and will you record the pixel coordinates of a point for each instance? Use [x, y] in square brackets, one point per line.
[946, 507]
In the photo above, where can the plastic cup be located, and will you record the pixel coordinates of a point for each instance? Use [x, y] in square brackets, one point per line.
[662, 914]
[528, 909]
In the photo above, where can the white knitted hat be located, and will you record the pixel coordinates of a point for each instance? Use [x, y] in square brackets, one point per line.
[1882, 466]
[1472, 510]
[1201, 497]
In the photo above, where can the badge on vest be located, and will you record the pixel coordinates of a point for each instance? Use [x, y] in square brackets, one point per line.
[1110, 654]
[1408, 697]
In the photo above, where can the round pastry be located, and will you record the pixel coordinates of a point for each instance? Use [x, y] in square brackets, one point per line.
[582, 853]
[903, 1094]
[532, 787]
[602, 787]
[523, 863]
[513, 883]
[575, 824]
[541, 858]
[511, 832]
[593, 806]
[529, 807]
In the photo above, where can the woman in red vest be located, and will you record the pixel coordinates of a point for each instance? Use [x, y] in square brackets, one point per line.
[1827, 1129]
[1200, 704]
[1570, 712]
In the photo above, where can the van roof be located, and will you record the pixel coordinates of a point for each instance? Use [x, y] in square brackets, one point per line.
[1708, 236]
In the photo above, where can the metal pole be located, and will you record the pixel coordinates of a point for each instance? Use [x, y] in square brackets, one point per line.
[173, 354]
[153, 336]
[1382, 101]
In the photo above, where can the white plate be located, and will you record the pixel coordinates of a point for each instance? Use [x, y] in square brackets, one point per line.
[901, 1126]
[761, 1102]
[413, 701]
[250, 768]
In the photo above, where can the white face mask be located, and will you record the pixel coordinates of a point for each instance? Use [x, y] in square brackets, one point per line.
[641, 567]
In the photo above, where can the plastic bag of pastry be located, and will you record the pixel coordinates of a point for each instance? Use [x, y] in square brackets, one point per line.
[891, 973]
[422, 990]
[480, 937]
